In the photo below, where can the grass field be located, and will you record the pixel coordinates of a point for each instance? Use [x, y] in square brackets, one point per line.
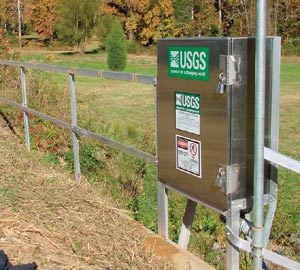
[125, 112]
[145, 64]
[286, 229]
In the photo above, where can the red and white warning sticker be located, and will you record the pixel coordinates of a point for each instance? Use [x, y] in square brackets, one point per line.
[188, 155]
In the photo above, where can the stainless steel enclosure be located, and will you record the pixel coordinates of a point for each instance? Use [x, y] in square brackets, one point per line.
[205, 117]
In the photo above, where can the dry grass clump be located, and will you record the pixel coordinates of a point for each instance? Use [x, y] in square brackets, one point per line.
[47, 218]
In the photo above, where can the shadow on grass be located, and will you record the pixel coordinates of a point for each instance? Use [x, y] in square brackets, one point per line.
[92, 51]
[68, 53]
[9, 124]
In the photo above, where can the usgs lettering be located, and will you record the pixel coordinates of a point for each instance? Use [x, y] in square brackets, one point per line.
[185, 101]
[189, 62]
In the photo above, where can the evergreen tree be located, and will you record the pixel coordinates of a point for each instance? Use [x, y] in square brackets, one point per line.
[104, 27]
[116, 48]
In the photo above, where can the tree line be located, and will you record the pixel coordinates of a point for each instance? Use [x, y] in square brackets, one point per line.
[144, 21]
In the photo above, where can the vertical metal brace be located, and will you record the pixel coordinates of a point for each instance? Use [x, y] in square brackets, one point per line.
[162, 205]
[187, 223]
[232, 252]
[74, 124]
[24, 104]
[155, 111]
[162, 196]
[274, 134]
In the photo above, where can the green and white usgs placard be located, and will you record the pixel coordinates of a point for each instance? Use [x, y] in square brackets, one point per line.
[187, 112]
[189, 62]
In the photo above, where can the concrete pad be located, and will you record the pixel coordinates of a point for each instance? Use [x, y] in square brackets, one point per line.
[171, 252]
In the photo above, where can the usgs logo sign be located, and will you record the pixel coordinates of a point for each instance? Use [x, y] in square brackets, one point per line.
[189, 62]
[186, 101]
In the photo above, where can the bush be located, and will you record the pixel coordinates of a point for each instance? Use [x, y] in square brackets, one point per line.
[116, 48]
[132, 47]
[291, 47]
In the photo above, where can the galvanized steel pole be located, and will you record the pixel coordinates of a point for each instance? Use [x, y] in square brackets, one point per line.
[24, 104]
[162, 196]
[260, 67]
[74, 124]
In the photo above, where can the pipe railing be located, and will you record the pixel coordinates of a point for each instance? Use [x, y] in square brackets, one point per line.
[73, 126]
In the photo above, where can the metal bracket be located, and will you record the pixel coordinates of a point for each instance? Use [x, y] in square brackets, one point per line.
[268, 254]
[227, 178]
[237, 241]
[230, 67]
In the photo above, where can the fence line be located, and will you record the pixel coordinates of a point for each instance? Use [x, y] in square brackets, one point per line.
[122, 76]
[73, 127]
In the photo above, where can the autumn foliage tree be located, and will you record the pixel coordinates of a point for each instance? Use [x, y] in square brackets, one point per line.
[9, 17]
[158, 22]
[205, 21]
[41, 16]
[4, 44]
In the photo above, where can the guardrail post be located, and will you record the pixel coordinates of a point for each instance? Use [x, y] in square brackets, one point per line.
[74, 124]
[24, 104]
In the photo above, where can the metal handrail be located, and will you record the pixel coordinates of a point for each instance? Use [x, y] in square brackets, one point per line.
[73, 127]
[122, 76]
[282, 160]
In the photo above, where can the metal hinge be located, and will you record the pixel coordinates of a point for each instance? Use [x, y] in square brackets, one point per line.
[230, 66]
[227, 178]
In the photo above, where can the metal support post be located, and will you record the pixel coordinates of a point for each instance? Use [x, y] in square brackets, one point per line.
[269, 221]
[187, 222]
[24, 104]
[274, 131]
[260, 77]
[232, 252]
[74, 124]
[162, 196]
[162, 205]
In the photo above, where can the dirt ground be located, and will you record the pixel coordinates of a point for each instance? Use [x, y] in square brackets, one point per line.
[47, 218]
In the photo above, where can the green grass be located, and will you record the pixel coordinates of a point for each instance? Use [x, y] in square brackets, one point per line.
[289, 108]
[135, 64]
[287, 219]
[121, 110]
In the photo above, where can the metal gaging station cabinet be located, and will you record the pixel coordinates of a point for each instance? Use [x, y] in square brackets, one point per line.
[205, 118]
